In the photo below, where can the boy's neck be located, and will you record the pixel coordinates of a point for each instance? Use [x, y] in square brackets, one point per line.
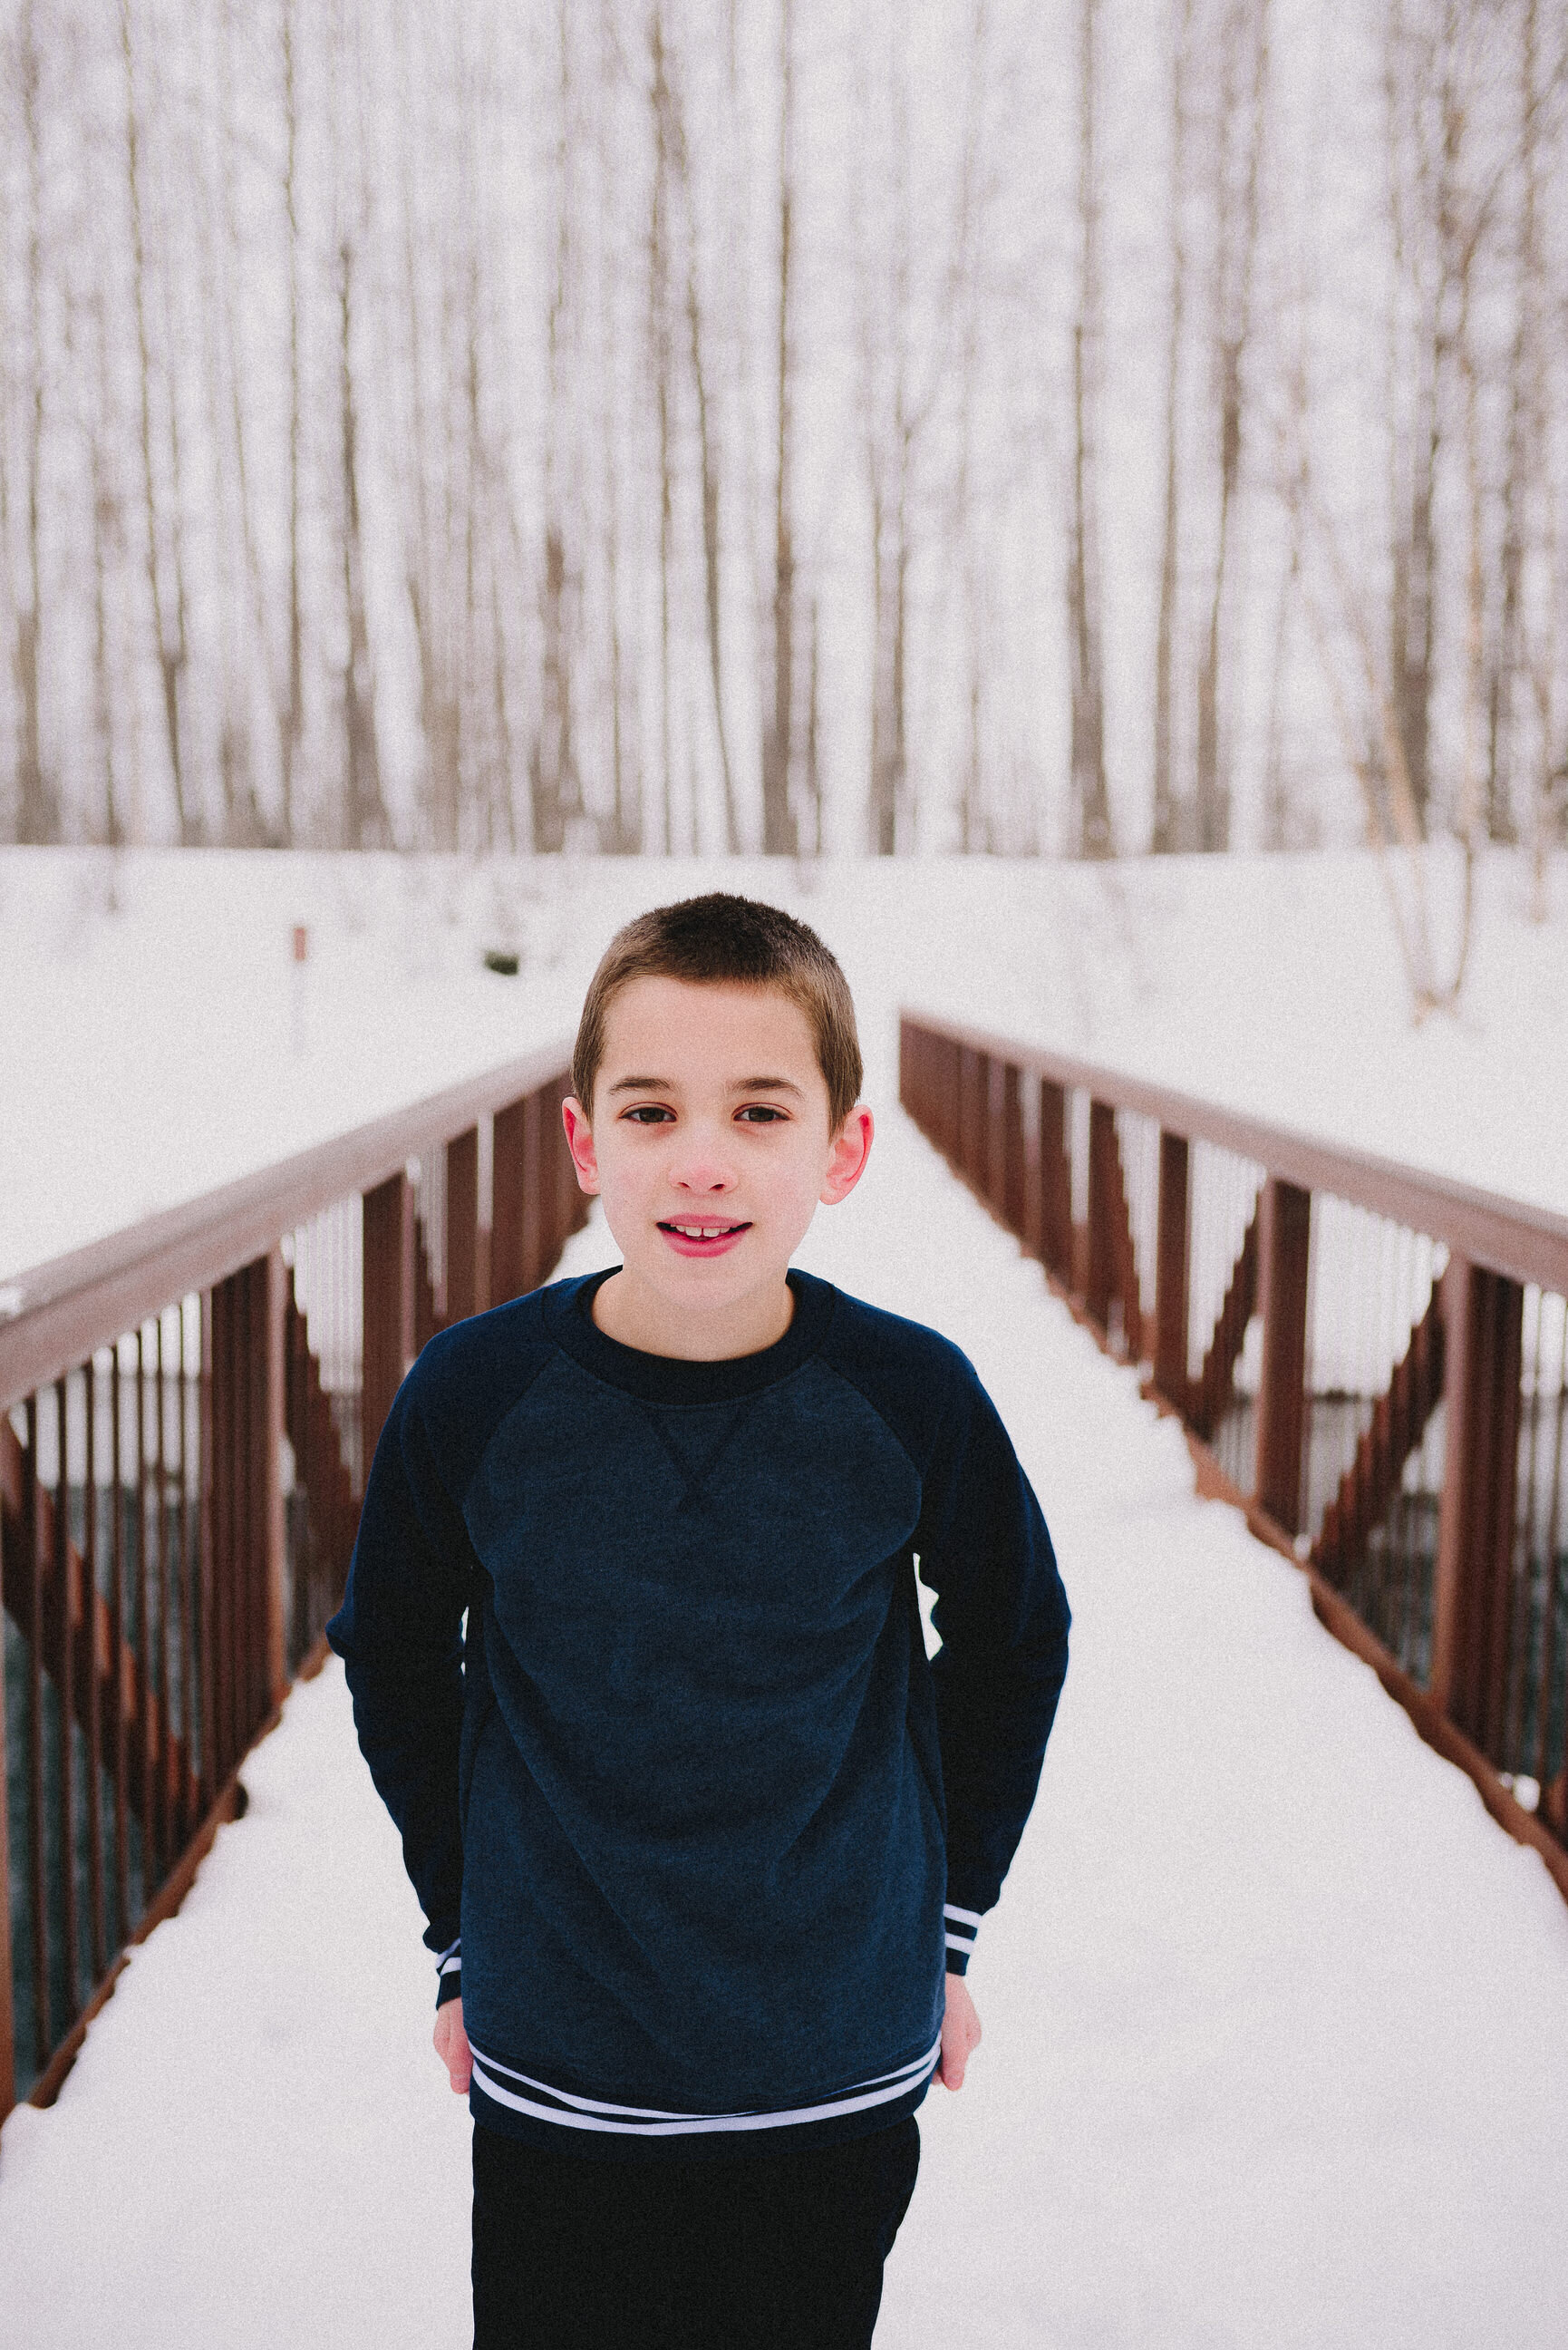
[636, 1315]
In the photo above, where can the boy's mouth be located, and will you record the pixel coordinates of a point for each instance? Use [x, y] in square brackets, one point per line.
[700, 1236]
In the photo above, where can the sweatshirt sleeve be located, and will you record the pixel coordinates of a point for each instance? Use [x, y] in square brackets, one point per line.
[400, 1634]
[1002, 1619]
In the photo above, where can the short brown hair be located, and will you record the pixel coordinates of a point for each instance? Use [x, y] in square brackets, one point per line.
[724, 940]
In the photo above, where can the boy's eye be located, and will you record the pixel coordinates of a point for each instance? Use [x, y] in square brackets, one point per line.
[761, 1113]
[649, 1114]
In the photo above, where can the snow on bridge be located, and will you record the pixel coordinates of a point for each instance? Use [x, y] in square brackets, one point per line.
[1276, 2020]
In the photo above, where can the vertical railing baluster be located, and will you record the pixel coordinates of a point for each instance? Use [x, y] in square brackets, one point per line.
[1013, 1148]
[65, 1691]
[1100, 1285]
[1032, 1176]
[388, 1302]
[38, 1868]
[93, 1652]
[207, 1540]
[1055, 1183]
[534, 1166]
[1554, 1532]
[508, 1234]
[463, 1225]
[1172, 1252]
[1483, 1348]
[1284, 1247]
[117, 1721]
[145, 1759]
[7, 1976]
[167, 1823]
[242, 1438]
[222, 1425]
[270, 1547]
[188, 1811]
[995, 1135]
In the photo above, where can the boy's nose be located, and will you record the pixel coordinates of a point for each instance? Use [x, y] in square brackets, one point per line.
[704, 1166]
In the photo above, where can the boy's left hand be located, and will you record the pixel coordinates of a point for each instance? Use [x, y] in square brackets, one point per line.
[961, 2033]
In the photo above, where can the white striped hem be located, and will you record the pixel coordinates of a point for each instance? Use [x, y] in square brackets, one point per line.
[451, 1960]
[638, 2121]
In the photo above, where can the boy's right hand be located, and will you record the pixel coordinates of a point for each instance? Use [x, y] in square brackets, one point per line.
[451, 2046]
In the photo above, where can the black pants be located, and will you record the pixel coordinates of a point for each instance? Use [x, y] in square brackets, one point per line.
[753, 2253]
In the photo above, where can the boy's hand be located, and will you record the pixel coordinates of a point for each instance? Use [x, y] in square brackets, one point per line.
[961, 2033]
[452, 2045]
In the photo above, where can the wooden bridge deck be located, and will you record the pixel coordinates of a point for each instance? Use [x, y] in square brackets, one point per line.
[1276, 2018]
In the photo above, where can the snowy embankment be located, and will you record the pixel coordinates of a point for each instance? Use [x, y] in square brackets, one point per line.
[157, 1039]
[1276, 2020]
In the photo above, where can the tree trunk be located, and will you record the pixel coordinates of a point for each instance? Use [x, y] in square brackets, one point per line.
[1165, 836]
[1236, 251]
[778, 817]
[1091, 799]
[365, 824]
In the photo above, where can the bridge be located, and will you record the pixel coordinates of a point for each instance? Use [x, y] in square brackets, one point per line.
[1277, 2033]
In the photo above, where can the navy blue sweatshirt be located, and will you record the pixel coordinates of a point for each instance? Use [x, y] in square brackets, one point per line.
[696, 1826]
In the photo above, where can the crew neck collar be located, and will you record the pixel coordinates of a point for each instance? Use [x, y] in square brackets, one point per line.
[672, 1379]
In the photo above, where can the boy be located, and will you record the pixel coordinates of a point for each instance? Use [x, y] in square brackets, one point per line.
[694, 1823]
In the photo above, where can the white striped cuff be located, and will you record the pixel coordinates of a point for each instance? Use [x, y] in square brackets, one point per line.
[962, 1925]
[449, 1972]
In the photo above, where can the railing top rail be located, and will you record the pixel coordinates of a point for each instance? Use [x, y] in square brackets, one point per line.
[57, 1313]
[1529, 1243]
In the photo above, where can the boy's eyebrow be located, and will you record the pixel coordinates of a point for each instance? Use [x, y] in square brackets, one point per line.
[741, 1085]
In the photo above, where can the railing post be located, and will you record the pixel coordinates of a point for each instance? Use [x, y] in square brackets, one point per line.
[1100, 1285]
[996, 1134]
[7, 2009]
[1031, 1169]
[508, 1270]
[389, 1301]
[1055, 1182]
[1012, 1153]
[970, 1150]
[273, 1404]
[1483, 1316]
[463, 1225]
[1171, 1275]
[1285, 1235]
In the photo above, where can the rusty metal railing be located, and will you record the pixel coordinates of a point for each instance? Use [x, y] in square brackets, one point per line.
[1373, 1362]
[186, 1410]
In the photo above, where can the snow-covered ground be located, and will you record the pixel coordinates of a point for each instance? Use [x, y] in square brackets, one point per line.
[156, 1038]
[1276, 2050]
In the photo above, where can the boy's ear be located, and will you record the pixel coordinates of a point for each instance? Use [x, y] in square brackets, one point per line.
[580, 1143]
[850, 1149]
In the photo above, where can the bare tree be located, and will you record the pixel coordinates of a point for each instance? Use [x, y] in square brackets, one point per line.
[1091, 799]
[37, 812]
[165, 570]
[779, 831]
[1244, 50]
[661, 339]
[677, 148]
[108, 543]
[622, 834]
[291, 711]
[1165, 836]
[365, 822]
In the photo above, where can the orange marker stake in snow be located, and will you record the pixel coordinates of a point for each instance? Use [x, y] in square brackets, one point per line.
[301, 957]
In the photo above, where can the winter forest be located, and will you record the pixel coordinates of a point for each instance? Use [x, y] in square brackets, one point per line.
[666, 425]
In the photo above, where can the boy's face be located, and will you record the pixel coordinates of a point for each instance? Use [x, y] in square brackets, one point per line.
[708, 1140]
